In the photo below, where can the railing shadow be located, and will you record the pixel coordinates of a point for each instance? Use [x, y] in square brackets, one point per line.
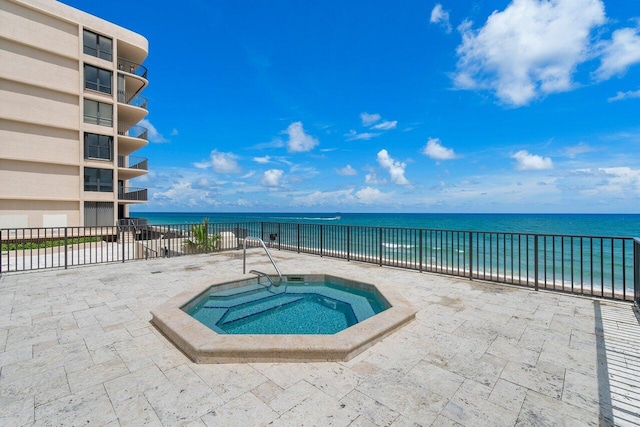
[618, 356]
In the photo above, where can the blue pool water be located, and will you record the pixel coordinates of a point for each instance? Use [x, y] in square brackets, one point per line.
[291, 308]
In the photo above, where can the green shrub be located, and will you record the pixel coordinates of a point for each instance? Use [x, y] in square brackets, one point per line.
[25, 246]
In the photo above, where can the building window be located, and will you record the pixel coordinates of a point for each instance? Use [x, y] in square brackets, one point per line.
[98, 214]
[97, 79]
[98, 113]
[97, 45]
[98, 146]
[98, 180]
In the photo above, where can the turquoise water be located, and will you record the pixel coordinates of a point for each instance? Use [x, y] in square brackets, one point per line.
[291, 308]
[623, 225]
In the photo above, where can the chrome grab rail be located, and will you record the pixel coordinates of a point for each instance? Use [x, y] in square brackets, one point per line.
[244, 255]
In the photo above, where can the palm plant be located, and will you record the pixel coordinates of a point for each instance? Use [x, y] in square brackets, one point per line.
[201, 240]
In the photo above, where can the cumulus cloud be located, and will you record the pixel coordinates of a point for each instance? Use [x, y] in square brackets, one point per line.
[618, 54]
[365, 196]
[369, 119]
[262, 160]
[369, 195]
[386, 125]
[271, 178]
[152, 133]
[346, 171]
[394, 167]
[528, 50]
[531, 162]
[440, 16]
[625, 95]
[437, 151]
[299, 141]
[224, 162]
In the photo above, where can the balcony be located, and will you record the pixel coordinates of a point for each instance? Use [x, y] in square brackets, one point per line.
[131, 137]
[131, 166]
[132, 68]
[132, 107]
[132, 194]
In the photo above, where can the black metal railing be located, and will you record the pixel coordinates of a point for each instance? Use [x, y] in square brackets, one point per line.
[132, 68]
[133, 131]
[601, 266]
[132, 193]
[133, 162]
[132, 222]
[132, 99]
[636, 272]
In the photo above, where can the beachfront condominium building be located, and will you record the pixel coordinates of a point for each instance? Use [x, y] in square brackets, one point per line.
[70, 103]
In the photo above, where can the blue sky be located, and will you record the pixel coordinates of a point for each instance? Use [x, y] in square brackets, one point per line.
[379, 106]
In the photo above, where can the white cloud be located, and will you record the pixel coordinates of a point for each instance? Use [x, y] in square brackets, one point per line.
[440, 16]
[386, 125]
[529, 50]
[369, 119]
[618, 54]
[437, 151]
[224, 162]
[262, 160]
[271, 178]
[369, 195]
[531, 162]
[152, 132]
[625, 95]
[346, 171]
[299, 141]
[372, 178]
[355, 136]
[395, 168]
[174, 132]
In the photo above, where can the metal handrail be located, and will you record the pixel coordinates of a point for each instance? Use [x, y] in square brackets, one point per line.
[132, 68]
[244, 255]
[132, 193]
[133, 99]
[133, 131]
[133, 162]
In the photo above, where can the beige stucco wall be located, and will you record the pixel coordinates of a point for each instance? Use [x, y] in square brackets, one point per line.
[41, 110]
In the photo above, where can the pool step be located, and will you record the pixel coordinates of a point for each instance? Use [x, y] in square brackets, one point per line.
[270, 303]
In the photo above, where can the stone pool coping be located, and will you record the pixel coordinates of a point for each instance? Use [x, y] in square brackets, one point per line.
[203, 345]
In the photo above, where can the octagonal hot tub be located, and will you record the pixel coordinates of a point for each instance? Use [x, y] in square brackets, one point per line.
[305, 318]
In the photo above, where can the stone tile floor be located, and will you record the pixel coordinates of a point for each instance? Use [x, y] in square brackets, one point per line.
[77, 348]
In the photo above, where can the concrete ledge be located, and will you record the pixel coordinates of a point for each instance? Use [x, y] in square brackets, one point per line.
[203, 345]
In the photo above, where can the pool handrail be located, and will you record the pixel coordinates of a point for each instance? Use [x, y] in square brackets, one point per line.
[244, 255]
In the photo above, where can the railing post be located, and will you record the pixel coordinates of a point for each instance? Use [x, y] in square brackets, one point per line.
[66, 249]
[280, 235]
[1, 251]
[471, 255]
[122, 237]
[420, 250]
[321, 240]
[380, 246]
[298, 237]
[348, 243]
[636, 273]
[535, 261]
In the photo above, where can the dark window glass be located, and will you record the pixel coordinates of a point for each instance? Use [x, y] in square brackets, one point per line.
[98, 113]
[97, 79]
[97, 45]
[98, 180]
[98, 146]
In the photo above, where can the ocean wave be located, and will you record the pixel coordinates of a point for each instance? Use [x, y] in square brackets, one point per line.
[334, 218]
[397, 246]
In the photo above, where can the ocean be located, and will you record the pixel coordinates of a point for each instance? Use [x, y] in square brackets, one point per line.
[618, 225]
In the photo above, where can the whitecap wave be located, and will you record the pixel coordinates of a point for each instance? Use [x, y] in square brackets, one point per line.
[397, 246]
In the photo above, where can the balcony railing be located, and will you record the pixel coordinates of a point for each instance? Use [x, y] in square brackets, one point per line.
[133, 131]
[133, 162]
[132, 193]
[132, 99]
[132, 68]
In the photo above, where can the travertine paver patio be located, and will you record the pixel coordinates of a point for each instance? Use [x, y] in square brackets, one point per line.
[77, 348]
